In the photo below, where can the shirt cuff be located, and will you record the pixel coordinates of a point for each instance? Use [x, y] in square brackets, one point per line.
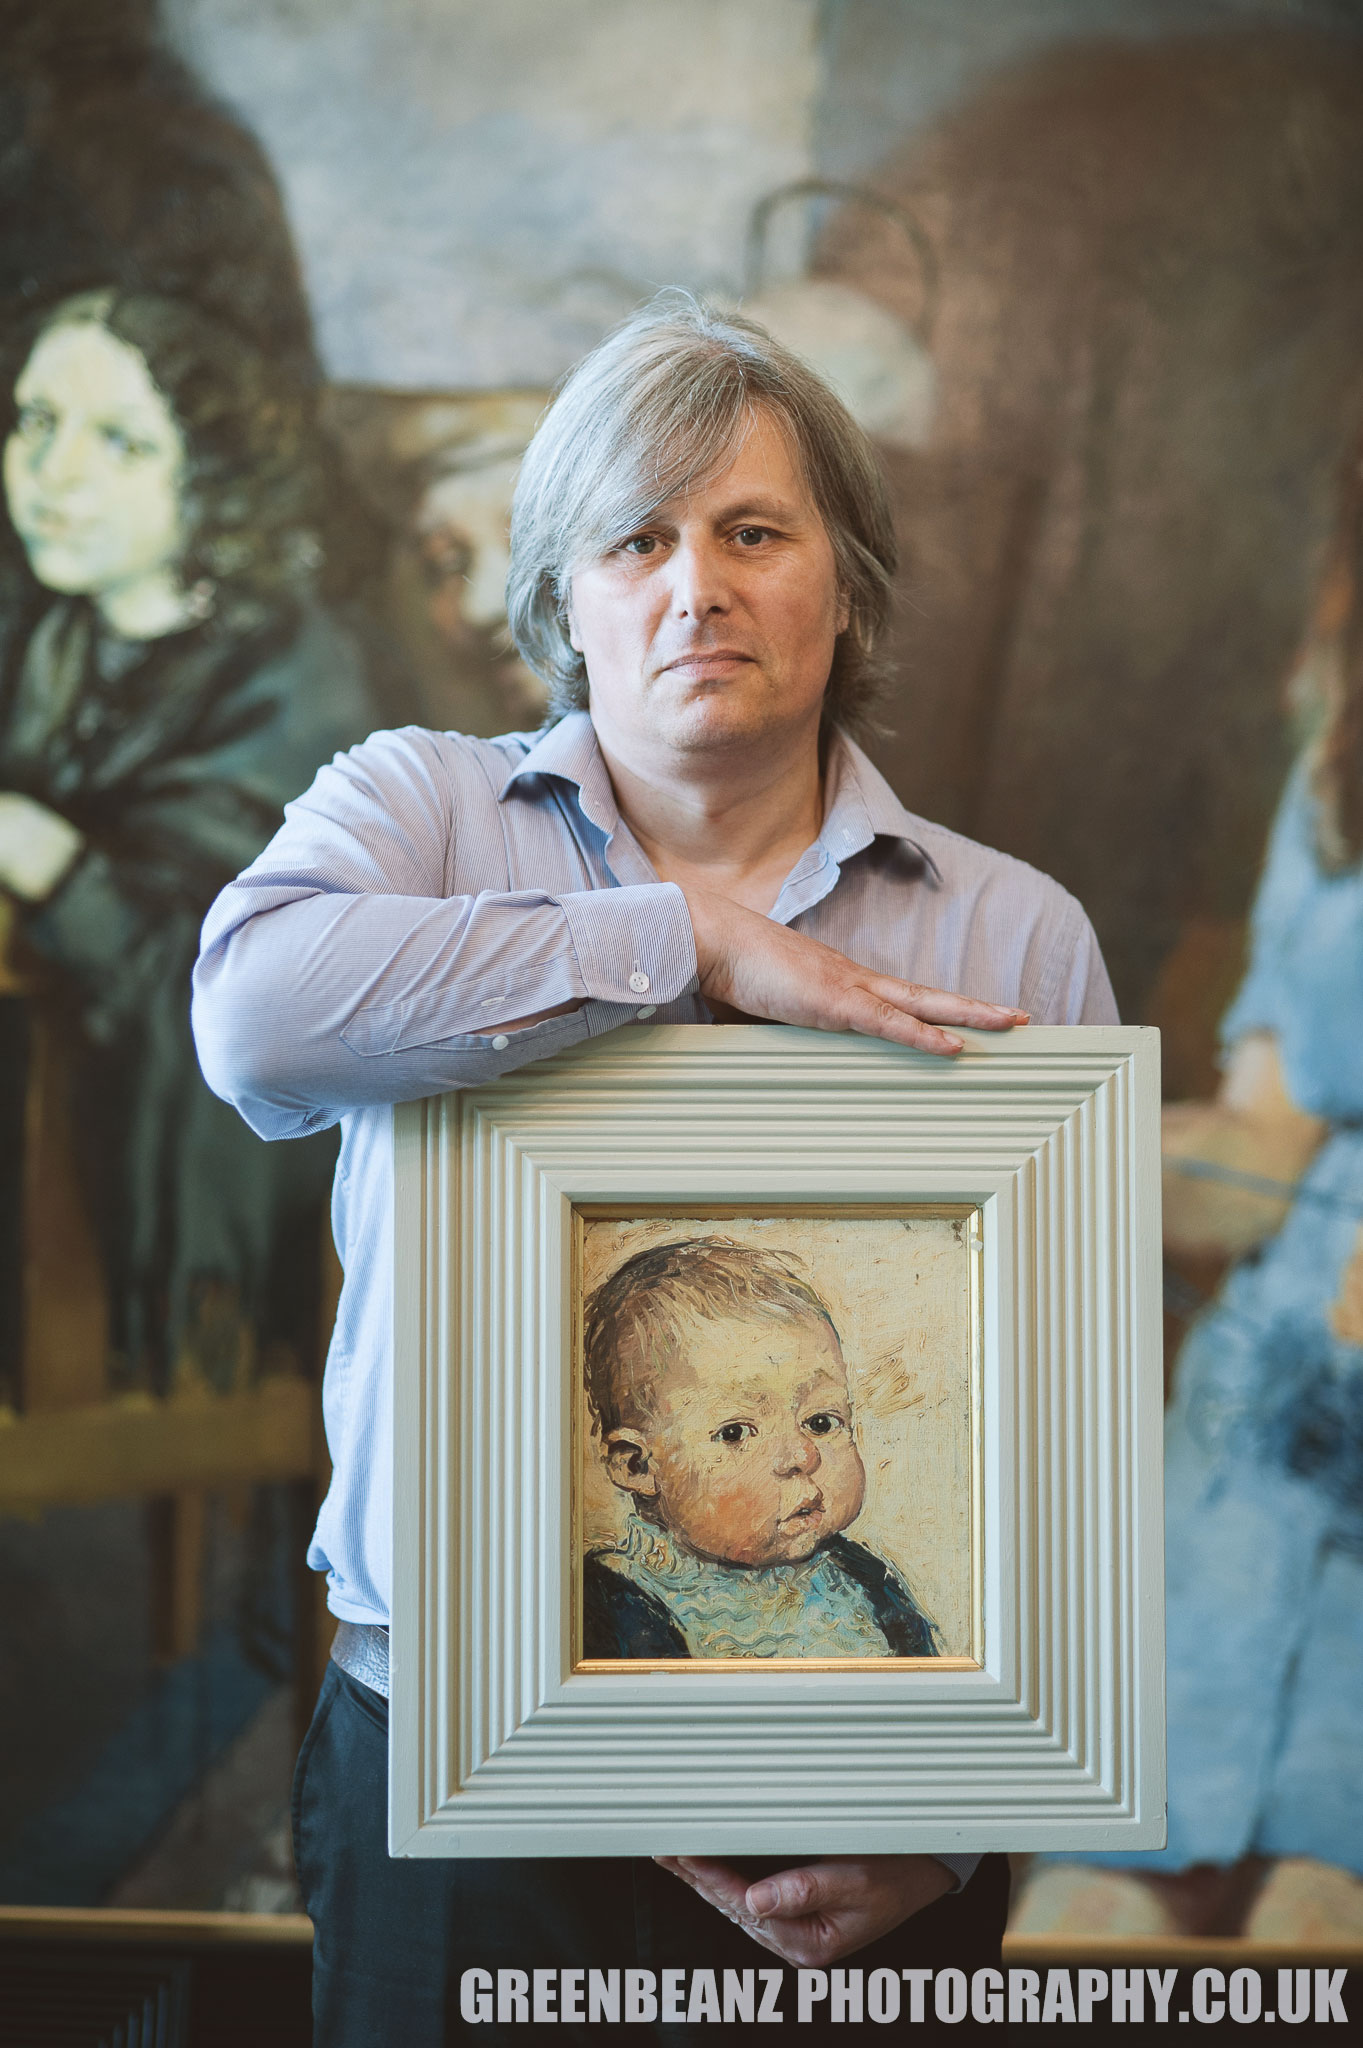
[962, 1868]
[634, 945]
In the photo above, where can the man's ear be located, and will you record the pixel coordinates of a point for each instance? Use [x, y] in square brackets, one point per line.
[844, 611]
[629, 1464]
[566, 613]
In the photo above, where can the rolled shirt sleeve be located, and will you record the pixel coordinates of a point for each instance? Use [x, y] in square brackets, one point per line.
[345, 967]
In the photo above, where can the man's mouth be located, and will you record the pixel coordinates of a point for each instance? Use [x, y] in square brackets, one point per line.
[705, 664]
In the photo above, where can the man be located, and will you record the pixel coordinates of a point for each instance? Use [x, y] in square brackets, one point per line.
[701, 561]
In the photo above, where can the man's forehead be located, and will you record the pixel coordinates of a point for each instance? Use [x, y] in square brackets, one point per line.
[758, 472]
[721, 510]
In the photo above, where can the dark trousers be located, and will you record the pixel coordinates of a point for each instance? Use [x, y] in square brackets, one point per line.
[393, 1935]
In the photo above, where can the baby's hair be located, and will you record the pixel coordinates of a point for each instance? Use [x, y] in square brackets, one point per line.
[631, 1319]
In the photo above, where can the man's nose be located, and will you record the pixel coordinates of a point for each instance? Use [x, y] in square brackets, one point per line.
[794, 1454]
[700, 586]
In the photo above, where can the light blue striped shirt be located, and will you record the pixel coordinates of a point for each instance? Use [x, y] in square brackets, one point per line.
[428, 888]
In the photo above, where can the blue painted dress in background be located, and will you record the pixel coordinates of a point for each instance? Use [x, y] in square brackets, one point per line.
[1264, 1468]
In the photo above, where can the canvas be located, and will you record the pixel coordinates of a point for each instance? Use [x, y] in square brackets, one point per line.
[777, 1435]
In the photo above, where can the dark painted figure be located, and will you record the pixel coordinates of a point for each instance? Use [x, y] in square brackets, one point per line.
[168, 680]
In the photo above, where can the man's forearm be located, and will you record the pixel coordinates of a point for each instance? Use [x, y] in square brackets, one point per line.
[318, 1003]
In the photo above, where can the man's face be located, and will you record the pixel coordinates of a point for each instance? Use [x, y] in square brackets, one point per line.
[747, 1454]
[713, 625]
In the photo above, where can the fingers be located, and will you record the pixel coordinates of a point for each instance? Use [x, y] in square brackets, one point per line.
[817, 1913]
[764, 969]
[719, 1882]
[794, 1894]
[820, 1912]
[943, 1006]
[908, 1015]
[725, 1889]
[786, 1895]
[874, 1017]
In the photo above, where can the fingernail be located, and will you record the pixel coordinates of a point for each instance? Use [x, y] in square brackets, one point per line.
[763, 1897]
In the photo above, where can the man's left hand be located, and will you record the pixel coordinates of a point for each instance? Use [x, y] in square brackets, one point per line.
[817, 1913]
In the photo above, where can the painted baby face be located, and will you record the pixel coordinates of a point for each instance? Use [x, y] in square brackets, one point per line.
[747, 1454]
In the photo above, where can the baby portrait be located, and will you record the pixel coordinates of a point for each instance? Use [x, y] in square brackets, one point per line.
[765, 1402]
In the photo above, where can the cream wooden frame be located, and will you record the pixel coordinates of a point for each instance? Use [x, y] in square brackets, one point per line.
[1056, 1741]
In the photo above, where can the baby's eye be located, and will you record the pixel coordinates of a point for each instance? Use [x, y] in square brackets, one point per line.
[823, 1424]
[733, 1433]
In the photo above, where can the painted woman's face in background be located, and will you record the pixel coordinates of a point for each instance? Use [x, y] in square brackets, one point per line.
[93, 466]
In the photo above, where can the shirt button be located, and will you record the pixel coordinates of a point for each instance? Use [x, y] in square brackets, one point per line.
[647, 1011]
[500, 1042]
[640, 983]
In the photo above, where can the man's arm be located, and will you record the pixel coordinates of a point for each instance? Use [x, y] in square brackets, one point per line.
[340, 970]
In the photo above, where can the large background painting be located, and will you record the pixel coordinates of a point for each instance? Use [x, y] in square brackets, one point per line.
[283, 288]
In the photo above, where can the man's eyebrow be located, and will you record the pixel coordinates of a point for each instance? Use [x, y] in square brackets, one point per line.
[785, 509]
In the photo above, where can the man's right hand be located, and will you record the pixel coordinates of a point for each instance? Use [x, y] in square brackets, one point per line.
[760, 969]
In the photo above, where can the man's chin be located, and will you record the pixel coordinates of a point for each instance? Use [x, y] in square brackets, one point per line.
[715, 721]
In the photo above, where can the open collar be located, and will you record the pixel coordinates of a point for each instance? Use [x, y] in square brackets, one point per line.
[859, 806]
[569, 751]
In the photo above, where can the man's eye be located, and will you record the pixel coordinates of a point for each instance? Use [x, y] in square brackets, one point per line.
[823, 1424]
[639, 544]
[733, 1433]
[750, 536]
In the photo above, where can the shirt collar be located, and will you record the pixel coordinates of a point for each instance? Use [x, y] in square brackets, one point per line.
[860, 807]
[569, 750]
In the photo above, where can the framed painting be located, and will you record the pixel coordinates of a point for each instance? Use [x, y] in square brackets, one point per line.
[777, 1438]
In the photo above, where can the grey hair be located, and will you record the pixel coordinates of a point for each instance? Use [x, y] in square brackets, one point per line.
[650, 414]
